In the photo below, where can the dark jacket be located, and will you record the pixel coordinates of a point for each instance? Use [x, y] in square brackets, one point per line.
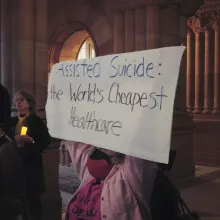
[32, 153]
[12, 181]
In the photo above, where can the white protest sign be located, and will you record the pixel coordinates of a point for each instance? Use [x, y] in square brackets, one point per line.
[122, 102]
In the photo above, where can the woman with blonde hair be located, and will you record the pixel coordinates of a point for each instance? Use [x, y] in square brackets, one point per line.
[31, 146]
[113, 186]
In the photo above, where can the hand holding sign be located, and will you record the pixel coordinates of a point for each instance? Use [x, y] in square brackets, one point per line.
[119, 102]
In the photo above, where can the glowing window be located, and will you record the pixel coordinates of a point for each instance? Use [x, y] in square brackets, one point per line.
[87, 50]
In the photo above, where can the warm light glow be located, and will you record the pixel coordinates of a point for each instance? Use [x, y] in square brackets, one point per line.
[87, 50]
[24, 130]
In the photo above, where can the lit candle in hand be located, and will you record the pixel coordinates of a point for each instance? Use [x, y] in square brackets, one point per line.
[24, 130]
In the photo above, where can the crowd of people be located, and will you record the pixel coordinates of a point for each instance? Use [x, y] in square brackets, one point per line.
[113, 185]
[21, 164]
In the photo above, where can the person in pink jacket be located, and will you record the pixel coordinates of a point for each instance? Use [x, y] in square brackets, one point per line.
[113, 186]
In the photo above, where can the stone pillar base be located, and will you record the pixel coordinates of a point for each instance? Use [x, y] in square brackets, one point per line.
[52, 201]
[206, 140]
[182, 140]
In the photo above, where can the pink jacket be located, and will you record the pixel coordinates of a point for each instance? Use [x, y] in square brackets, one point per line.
[127, 189]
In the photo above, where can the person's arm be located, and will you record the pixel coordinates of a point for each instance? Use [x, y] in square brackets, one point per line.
[141, 174]
[79, 153]
[42, 138]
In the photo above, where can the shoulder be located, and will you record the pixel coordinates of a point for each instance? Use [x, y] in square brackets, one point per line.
[6, 150]
[7, 146]
[34, 119]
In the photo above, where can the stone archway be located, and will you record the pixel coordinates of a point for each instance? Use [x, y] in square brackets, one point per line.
[79, 41]
[66, 43]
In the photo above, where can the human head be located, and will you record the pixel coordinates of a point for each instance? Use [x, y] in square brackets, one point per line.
[5, 111]
[25, 102]
[101, 162]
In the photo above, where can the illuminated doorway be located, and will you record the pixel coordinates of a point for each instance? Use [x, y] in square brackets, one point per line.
[78, 46]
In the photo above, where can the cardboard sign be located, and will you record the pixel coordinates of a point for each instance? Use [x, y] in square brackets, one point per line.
[122, 102]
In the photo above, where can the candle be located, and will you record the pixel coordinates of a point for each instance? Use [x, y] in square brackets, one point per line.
[24, 130]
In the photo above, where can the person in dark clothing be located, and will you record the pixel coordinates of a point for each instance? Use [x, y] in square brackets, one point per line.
[31, 147]
[166, 201]
[12, 180]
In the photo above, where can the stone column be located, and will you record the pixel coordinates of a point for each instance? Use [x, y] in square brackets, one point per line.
[6, 44]
[182, 133]
[140, 29]
[206, 18]
[62, 155]
[189, 73]
[23, 46]
[52, 202]
[152, 28]
[216, 108]
[129, 31]
[180, 105]
[207, 75]
[170, 35]
[197, 104]
[41, 55]
[119, 32]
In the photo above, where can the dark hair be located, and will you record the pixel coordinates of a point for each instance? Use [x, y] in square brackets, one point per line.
[5, 110]
[98, 155]
[30, 99]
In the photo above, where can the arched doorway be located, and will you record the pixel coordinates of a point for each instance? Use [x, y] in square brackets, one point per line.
[78, 45]
[73, 42]
[71, 45]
